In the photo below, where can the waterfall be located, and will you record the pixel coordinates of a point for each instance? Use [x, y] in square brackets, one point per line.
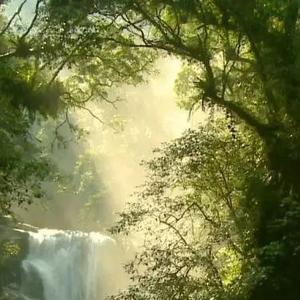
[68, 265]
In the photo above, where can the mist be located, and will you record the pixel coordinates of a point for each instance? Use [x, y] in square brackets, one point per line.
[146, 116]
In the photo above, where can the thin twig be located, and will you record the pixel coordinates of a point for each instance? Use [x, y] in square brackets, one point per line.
[90, 112]
[36, 13]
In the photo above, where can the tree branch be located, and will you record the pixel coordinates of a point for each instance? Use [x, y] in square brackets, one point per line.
[36, 13]
[90, 112]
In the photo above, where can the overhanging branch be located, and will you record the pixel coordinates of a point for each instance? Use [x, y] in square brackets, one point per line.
[261, 128]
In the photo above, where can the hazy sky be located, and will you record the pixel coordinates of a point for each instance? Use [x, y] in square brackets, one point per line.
[27, 11]
[149, 115]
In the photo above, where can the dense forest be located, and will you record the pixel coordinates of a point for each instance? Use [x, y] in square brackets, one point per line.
[220, 205]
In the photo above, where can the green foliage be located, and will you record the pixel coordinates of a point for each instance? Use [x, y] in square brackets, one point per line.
[11, 254]
[195, 219]
[10, 249]
[49, 65]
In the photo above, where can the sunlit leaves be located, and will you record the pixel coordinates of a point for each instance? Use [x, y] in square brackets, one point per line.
[190, 210]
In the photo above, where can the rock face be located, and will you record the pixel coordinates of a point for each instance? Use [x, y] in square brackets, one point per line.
[13, 249]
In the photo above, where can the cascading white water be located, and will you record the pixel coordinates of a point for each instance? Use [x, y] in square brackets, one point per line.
[68, 265]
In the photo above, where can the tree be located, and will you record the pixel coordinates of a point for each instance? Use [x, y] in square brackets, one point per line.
[196, 218]
[22, 164]
[32, 56]
[239, 49]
